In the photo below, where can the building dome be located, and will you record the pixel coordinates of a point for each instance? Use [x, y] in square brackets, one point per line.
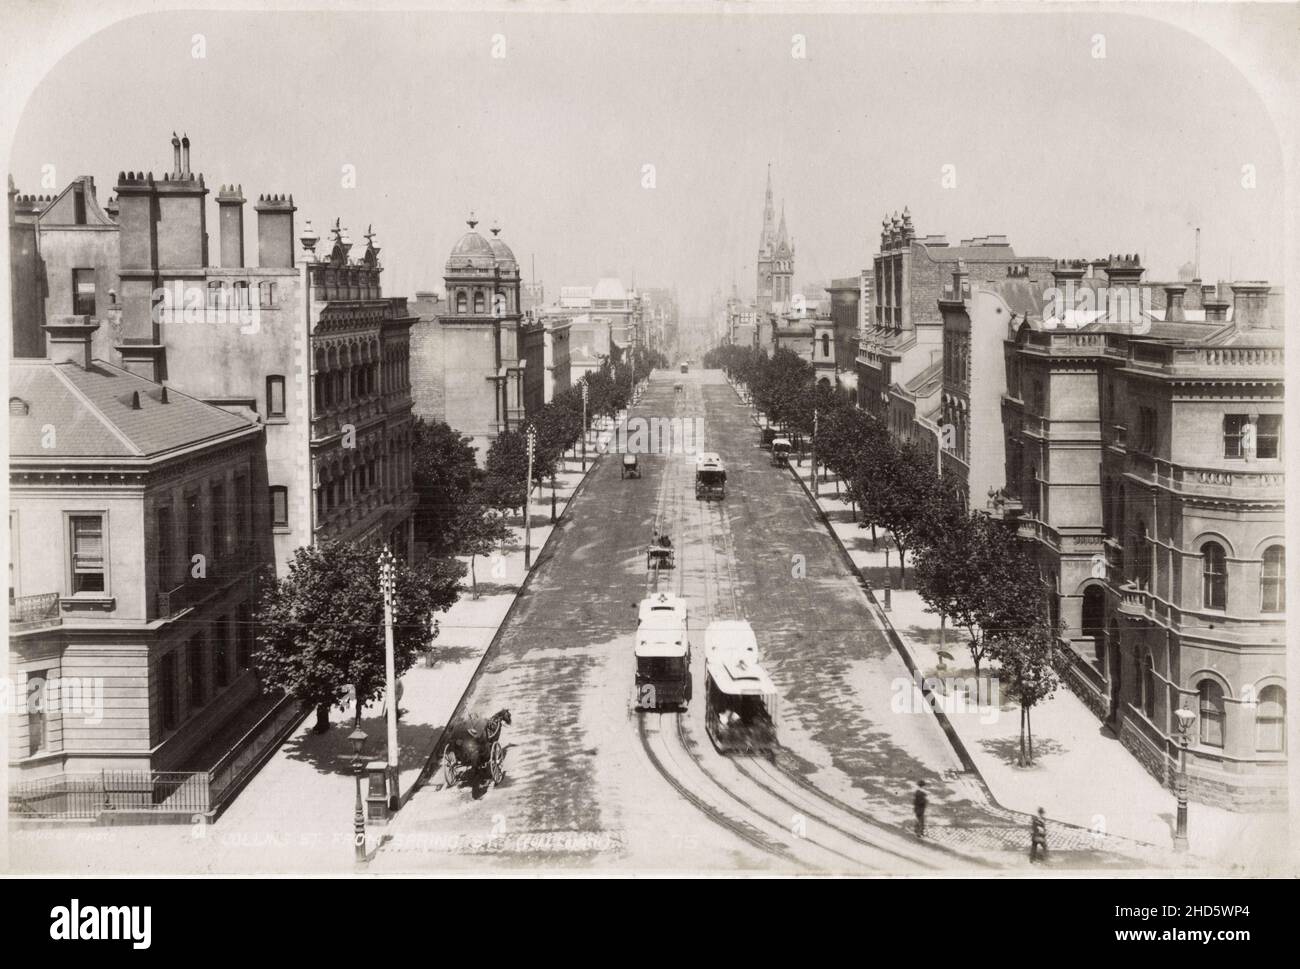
[472, 251]
[505, 259]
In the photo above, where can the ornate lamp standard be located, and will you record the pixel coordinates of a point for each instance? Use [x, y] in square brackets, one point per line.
[358, 740]
[814, 453]
[1185, 719]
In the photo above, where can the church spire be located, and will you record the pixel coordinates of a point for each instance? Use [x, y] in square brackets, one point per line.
[781, 240]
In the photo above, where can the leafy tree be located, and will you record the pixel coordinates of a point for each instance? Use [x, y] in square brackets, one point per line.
[1030, 667]
[320, 629]
[444, 472]
[505, 469]
[479, 530]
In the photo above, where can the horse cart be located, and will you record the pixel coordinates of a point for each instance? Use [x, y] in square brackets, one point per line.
[780, 451]
[658, 556]
[473, 747]
[630, 468]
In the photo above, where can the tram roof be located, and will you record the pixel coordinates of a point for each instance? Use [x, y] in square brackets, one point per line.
[661, 643]
[737, 673]
[662, 605]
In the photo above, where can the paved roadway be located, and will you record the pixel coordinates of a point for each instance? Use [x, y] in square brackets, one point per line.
[590, 782]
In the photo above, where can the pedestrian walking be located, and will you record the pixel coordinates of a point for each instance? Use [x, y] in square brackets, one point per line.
[919, 803]
[1038, 836]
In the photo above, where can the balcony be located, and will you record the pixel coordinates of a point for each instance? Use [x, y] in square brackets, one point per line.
[1247, 483]
[34, 612]
[1134, 601]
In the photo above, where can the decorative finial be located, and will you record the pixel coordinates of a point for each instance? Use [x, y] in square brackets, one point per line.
[496, 227]
[471, 221]
[309, 238]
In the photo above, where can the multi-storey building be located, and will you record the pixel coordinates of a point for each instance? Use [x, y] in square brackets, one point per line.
[468, 356]
[544, 349]
[314, 352]
[135, 536]
[1144, 457]
[906, 327]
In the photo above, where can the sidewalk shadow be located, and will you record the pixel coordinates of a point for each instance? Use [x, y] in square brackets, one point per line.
[448, 654]
[488, 589]
[1007, 749]
[331, 752]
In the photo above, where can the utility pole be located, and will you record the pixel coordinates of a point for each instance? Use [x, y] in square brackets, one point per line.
[584, 427]
[387, 581]
[528, 493]
[814, 452]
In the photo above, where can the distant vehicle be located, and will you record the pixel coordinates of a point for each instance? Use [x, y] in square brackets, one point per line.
[474, 745]
[663, 653]
[630, 468]
[740, 699]
[659, 553]
[780, 451]
[710, 478]
[685, 368]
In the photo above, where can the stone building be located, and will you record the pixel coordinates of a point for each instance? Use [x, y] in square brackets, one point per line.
[468, 364]
[1144, 459]
[132, 569]
[775, 260]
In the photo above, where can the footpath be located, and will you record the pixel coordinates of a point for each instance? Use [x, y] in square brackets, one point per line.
[1081, 774]
[296, 814]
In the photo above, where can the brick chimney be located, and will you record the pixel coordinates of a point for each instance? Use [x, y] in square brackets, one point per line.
[1175, 312]
[69, 341]
[275, 242]
[1250, 305]
[230, 202]
[1124, 270]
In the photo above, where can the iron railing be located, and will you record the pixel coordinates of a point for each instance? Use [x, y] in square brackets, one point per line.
[86, 795]
[34, 610]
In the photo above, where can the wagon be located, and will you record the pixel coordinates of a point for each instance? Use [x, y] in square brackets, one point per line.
[780, 451]
[630, 468]
[474, 746]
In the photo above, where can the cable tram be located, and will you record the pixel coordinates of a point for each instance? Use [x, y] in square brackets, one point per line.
[740, 697]
[663, 653]
[710, 477]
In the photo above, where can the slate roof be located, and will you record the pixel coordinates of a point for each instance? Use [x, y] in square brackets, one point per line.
[91, 414]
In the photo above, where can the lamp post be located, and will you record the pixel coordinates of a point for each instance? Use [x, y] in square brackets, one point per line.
[889, 582]
[528, 493]
[584, 426]
[1185, 719]
[358, 740]
[387, 585]
[814, 452]
[553, 519]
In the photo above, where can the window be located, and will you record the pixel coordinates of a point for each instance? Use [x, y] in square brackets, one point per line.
[462, 304]
[1270, 720]
[221, 654]
[1233, 426]
[266, 294]
[1141, 555]
[826, 345]
[280, 506]
[216, 294]
[13, 545]
[480, 302]
[243, 507]
[1214, 576]
[1272, 580]
[241, 294]
[244, 637]
[1147, 428]
[1211, 701]
[1094, 615]
[169, 691]
[166, 548]
[38, 724]
[217, 495]
[275, 396]
[193, 527]
[1148, 688]
[1268, 436]
[83, 292]
[194, 672]
[87, 553]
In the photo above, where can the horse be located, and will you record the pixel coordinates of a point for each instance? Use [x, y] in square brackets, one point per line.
[474, 737]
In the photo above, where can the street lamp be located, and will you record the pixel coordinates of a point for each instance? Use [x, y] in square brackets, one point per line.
[388, 587]
[814, 453]
[358, 740]
[1185, 719]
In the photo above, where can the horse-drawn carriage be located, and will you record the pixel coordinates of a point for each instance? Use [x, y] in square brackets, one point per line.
[474, 745]
[780, 451]
[659, 555]
[630, 468]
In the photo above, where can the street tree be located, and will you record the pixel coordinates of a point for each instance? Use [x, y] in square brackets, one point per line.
[320, 629]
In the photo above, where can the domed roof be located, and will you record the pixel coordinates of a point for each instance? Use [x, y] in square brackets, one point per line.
[504, 257]
[472, 251]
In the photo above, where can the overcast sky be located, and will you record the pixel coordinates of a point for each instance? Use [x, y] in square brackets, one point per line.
[1066, 153]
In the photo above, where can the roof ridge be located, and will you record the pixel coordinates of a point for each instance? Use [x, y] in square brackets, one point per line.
[103, 418]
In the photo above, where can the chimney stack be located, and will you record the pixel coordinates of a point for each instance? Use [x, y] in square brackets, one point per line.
[185, 156]
[1124, 270]
[1068, 270]
[1175, 312]
[70, 342]
[1250, 305]
[275, 242]
[176, 156]
[230, 202]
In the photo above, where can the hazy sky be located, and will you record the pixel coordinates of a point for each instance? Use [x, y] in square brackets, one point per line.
[1066, 153]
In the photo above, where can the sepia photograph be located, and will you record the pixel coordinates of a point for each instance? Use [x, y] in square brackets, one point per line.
[690, 439]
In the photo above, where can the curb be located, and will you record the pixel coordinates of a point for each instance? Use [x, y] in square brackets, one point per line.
[433, 761]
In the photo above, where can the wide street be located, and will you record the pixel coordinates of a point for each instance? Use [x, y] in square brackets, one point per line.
[591, 782]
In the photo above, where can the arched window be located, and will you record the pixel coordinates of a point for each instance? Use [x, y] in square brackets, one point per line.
[1270, 720]
[1214, 576]
[1094, 617]
[1148, 687]
[1272, 580]
[480, 302]
[826, 345]
[462, 303]
[1211, 702]
[241, 294]
[1141, 555]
